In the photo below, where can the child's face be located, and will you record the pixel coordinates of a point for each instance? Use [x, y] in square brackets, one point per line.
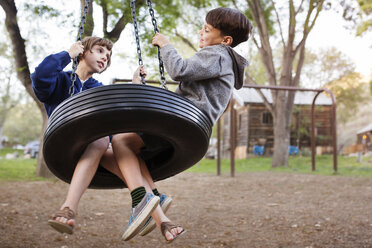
[97, 58]
[209, 36]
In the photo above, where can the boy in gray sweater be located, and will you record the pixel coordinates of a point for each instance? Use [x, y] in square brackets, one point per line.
[207, 79]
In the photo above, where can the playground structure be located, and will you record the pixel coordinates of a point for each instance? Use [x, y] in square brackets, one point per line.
[254, 124]
[287, 88]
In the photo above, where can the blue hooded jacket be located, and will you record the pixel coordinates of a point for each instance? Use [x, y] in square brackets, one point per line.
[51, 84]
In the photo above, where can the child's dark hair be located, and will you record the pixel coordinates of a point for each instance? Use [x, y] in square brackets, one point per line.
[90, 41]
[230, 22]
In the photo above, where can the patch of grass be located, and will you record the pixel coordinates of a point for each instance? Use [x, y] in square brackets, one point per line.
[6, 150]
[25, 169]
[18, 170]
[347, 166]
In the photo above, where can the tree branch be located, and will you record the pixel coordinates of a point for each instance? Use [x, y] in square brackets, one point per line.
[235, 4]
[299, 8]
[279, 23]
[114, 35]
[308, 28]
[105, 16]
[265, 50]
[186, 41]
[255, 42]
[196, 25]
[19, 48]
[292, 25]
[300, 63]
[319, 8]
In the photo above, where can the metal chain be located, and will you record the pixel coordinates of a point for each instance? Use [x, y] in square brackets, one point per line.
[163, 81]
[140, 62]
[76, 59]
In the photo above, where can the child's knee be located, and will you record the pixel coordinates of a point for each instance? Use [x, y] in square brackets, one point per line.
[130, 140]
[101, 144]
[125, 139]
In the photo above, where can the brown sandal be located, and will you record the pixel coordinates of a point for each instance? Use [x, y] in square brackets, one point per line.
[59, 226]
[167, 227]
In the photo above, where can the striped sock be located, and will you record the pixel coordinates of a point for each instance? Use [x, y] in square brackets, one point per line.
[137, 195]
[156, 192]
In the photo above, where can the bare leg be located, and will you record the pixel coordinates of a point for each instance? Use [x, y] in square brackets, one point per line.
[133, 171]
[83, 175]
[126, 146]
[158, 214]
[146, 174]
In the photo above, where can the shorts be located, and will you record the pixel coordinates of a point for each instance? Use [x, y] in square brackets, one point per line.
[154, 148]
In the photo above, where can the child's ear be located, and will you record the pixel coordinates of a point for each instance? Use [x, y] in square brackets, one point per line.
[227, 40]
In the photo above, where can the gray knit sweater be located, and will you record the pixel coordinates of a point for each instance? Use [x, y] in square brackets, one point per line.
[207, 78]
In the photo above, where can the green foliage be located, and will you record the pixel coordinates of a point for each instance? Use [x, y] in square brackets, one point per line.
[5, 150]
[23, 123]
[349, 91]
[325, 65]
[256, 68]
[304, 122]
[347, 166]
[366, 22]
[197, 3]
[268, 15]
[115, 9]
[358, 14]
[166, 13]
[42, 10]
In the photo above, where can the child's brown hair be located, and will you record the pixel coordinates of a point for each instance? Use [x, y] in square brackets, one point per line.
[230, 22]
[90, 41]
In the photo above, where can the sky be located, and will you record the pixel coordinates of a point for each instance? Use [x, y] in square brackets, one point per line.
[328, 31]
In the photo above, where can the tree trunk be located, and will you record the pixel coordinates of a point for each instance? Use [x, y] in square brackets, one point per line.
[22, 68]
[42, 169]
[281, 131]
[283, 101]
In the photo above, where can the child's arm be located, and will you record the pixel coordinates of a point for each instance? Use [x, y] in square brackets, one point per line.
[204, 64]
[47, 77]
[137, 74]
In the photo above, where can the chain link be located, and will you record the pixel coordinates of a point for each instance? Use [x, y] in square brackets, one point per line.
[76, 59]
[156, 30]
[163, 82]
[140, 62]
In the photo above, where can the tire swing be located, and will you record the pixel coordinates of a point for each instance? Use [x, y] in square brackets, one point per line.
[121, 108]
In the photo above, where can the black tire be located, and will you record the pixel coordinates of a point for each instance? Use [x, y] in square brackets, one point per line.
[121, 108]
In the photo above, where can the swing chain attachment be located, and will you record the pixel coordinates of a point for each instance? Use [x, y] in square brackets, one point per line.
[76, 59]
[135, 25]
[163, 81]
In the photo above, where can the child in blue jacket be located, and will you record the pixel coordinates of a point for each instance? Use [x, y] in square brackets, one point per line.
[52, 86]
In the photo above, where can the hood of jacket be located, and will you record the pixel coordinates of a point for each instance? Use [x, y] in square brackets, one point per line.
[239, 65]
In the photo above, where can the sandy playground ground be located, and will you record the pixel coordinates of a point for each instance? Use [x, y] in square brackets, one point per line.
[250, 210]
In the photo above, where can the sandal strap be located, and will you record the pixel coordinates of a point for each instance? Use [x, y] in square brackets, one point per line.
[66, 212]
[167, 227]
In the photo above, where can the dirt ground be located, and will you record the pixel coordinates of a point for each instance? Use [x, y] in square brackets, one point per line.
[250, 210]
